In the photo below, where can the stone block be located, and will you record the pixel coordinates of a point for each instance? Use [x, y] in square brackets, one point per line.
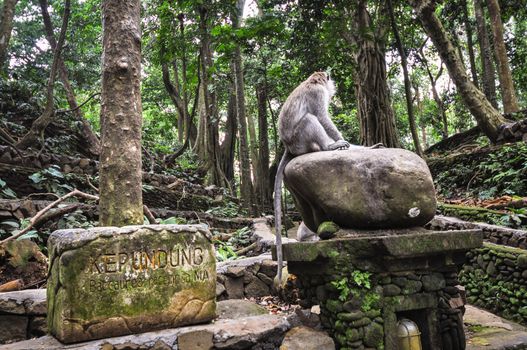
[109, 281]
[12, 328]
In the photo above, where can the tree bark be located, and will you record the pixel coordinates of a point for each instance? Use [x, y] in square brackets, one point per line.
[228, 146]
[470, 43]
[264, 183]
[93, 144]
[121, 201]
[6, 27]
[211, 131]
[247, 189]
[487, 117]
[407, 82]
[40, 124]
[487, 67]
[376, 117]
[510, 103]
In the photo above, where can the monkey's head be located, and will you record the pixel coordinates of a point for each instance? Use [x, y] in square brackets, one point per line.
[323, 79]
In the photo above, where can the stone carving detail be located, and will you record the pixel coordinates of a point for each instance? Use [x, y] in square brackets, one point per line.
[105, 282]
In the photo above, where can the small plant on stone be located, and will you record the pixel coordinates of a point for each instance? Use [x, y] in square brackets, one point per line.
[224, 251]
[342, 286]
[361, 278]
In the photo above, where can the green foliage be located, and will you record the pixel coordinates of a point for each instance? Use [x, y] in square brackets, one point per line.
[229, 210]
[173, 220]
[76, 219]
[342, 285]
[502, 172]
[505, 171]
[227, 250]
[241, 238]
[13, 227]
[224, 251]
[5, 191]
[51, 180]
[361, 278]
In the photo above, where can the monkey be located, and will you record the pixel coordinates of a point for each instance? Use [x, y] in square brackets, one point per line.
[304, 126]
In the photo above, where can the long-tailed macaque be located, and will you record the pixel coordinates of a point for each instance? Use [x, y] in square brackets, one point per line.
[304, 126]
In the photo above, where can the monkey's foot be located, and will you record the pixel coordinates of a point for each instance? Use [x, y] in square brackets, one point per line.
[339, 145]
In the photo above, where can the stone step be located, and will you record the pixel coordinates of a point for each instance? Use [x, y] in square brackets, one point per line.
[486, 331]
[266, 331]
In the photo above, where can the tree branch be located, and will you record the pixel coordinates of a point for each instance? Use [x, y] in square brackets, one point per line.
[39, 216]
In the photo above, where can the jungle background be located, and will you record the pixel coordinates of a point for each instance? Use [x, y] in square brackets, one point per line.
[445, 80]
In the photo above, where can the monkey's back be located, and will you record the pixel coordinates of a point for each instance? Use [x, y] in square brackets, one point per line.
[304, 99]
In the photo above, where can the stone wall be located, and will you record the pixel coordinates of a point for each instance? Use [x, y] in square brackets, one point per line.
[245, 278]
[359, 322]
[22, 315]
[495, 278]
[492, 233]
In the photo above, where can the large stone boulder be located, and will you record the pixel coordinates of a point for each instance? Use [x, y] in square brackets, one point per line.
[362, 188]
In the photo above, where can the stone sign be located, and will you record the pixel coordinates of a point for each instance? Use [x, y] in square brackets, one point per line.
[110, 281]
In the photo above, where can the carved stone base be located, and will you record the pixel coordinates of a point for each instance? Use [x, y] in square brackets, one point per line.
[364, 284]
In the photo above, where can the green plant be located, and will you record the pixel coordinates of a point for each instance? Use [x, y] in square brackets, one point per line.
[6, 192]
[224, 251]
[13, 227]
[229, 210]
[361, 278]
[359, 287]
[173, 221]
[242, 237]
[51, 180]
[342, 286]
[76, 219]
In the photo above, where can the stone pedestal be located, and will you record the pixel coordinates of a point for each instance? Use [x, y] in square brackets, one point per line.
[365, 283]
[109, 281]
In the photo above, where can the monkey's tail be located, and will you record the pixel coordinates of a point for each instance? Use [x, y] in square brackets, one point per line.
[286, 158]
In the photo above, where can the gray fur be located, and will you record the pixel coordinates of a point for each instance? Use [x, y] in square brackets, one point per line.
[304, 126]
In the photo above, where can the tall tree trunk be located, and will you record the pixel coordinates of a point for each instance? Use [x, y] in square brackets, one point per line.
[209, 98]
[470, 43]
[407, 82]
[247, 189]
[120, 190]
[91, 141]
[228, 146]
[6, 26]
[510, 103]
[376, 117]
[264, 183]
[40, 124]
[487, 117]
[487, 66]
